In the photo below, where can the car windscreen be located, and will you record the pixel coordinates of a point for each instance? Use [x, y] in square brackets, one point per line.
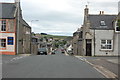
[42, 49]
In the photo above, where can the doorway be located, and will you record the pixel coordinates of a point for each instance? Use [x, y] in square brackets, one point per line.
[88, 47]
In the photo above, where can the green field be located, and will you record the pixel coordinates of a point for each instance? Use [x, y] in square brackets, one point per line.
[56, 36]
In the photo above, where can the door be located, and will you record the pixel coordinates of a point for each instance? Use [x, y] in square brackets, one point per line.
[88, 47]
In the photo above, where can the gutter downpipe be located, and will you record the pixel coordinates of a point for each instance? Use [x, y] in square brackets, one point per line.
[18, 25]
[94, 41]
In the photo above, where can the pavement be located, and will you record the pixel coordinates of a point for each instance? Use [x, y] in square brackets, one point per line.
[108, 66]
[49, 66]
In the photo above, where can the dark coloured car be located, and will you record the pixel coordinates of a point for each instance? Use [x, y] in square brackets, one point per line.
[42, 51]
[62, 50]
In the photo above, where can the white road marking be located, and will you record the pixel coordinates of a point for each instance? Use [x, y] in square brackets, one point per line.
[81, 58]
[14, 59]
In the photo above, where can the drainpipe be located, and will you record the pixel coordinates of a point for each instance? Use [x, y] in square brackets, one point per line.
[30, 41]
[94, 41]
[18, 23]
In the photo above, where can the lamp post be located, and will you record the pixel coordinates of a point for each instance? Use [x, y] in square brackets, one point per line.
[31, 35]
[33, 21]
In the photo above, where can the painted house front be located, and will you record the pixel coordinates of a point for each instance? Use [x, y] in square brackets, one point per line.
[15, 33]
[7, 30]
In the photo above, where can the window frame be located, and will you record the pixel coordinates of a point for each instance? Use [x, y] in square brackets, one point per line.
[102, 23]
[116, 25]
[4, 42]
[10, 43]
[5, 25]
[106, 44]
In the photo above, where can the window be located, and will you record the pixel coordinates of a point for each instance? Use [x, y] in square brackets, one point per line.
[106, 44]
[81, 34]
[10, 40]
[117, 25]
[102, 23]
[3, 25]
[2, 43]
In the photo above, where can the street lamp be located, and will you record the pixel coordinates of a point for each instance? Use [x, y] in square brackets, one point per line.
[33, 21]
[31, 35]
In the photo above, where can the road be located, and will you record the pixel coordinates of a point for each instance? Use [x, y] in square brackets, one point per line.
[49, 66]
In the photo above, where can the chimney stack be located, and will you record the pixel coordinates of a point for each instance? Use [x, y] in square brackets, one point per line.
[17, 2]
[101, 12]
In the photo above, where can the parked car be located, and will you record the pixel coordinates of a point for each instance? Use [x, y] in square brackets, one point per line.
[62, 50]
[42, 51]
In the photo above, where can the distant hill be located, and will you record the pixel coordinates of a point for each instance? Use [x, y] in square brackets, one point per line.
[55, 36]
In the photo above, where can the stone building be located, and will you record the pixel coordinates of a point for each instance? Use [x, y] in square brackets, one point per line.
[34, 45]
[99, 34]
[75, 42]
[15, 33]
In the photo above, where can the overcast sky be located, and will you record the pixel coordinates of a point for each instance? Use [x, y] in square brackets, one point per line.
[62, 17]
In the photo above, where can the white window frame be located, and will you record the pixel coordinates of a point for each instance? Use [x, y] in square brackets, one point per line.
[5, 25]
[102, 23]
[116, 26]
[106, 40]
[4, 42]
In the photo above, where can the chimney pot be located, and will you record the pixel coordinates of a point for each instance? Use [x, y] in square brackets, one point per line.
[102, 12]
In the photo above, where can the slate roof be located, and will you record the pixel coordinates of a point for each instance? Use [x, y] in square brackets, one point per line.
[96, 19]
[8, 10]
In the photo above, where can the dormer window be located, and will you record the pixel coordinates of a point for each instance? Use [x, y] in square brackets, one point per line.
[102, 23]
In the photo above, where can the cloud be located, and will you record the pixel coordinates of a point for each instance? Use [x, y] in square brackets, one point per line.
[62, 16]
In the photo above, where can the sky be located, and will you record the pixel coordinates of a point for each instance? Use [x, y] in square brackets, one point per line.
[62, 17]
